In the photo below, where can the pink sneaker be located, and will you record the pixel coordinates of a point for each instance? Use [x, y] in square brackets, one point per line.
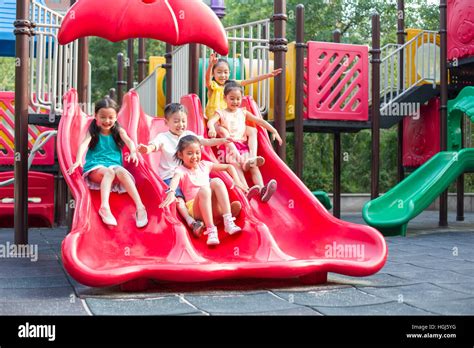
[268, 190]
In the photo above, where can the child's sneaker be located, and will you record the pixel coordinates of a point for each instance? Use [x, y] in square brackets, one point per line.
[197, 227]
[268, 190]
[254, 191]
[212, 238]
[229, 226]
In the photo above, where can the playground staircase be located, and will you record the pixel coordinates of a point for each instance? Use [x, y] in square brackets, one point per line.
[419, 58]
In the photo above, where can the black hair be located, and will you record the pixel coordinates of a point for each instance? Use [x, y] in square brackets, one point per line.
[232, 85]
[94, 129]
[183, 143]
[173, 108]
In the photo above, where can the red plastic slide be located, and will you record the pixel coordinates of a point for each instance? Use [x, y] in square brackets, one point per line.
[276, 242]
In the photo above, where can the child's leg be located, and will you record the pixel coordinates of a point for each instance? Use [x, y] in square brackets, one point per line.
[129, 185]
[232, 151]
[252, 133]
[105, 177]
[202, 206]
[241, 174]
[183, 211]
[256, 176]
[222, 207]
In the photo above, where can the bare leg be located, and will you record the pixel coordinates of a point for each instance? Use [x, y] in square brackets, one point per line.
[220, 190]
[202, 206]
[183, 211]
[256, 176]
[233, 155]
[251, 133]
[129, 185]
[104, 177]
[241, 174]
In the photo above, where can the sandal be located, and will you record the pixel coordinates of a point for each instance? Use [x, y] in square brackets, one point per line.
[142, 222]
[107, 219]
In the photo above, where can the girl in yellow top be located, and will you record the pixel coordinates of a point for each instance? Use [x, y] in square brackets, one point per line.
[217, 75]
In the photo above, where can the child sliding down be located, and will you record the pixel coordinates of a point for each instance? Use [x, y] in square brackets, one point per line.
[233, 120]
[206, 199]
[103, 169]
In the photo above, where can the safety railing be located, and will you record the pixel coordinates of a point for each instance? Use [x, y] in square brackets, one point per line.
[147, 91]
[180, 75]
[420, 64]
[53, 67]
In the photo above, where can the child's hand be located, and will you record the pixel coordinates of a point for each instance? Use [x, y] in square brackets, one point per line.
[277, 137]
[227, 140]
[276, 72]
[133, 158]
[212, 133]
[241, 186]
[170, 198]
[73, 168]
[143, 149]
[213, 59]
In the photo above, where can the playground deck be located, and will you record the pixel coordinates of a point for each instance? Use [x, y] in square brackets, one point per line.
[430, 272]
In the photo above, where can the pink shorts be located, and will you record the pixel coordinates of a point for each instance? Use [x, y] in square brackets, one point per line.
[241, 146]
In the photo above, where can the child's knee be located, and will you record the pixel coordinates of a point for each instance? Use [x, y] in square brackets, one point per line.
[217, 182]
[109, 172]
[205, 192]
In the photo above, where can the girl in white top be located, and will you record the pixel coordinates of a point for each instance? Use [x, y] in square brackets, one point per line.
[176, 119]
[233, 119]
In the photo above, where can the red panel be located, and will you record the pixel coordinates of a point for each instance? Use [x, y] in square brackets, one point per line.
[7, 134]
[40, 186]
[337, 82]
[460, 29]
[421, 137]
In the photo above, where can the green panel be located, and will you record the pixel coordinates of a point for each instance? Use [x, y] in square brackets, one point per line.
[462, 104]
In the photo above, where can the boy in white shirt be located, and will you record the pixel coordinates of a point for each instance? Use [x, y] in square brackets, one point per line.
[176, 119]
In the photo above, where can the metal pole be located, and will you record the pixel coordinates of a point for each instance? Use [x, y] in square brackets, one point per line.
[194, 68]
[120, 80]
[142, 61]
[279, 46]
[169, 72]
[130, 62]
[337, 158]
[374, 189]
[218, 6]
[300, 51]
[443, 203]
[400, 41]
[22, 32]
[83, 73]
[460, 185]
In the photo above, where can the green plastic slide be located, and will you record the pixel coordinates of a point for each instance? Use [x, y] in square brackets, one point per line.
[391, 212]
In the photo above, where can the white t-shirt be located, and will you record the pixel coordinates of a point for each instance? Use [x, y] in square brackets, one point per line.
[168, 164]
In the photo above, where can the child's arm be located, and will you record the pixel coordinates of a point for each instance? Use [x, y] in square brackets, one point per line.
[212, 62]
[211, 126]
[261, 77]
[131, 146]
[151, 147]
[171, 192]
[80, 153]
[215, 141]
[229, 168]
[264, 124]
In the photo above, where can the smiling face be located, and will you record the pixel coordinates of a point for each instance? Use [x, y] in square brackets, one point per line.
[233, 99]
[221, 72]
[177, 123]
[105, 119]
[191, 155]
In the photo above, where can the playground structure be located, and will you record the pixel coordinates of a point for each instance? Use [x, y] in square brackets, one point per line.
[331, 91]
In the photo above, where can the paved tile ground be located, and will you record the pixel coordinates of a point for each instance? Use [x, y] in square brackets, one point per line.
[430, 272]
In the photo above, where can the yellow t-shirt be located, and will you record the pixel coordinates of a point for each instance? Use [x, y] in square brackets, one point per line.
[215, 99]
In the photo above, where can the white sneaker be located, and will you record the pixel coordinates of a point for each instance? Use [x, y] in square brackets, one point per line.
[212, 238]
[229, 226]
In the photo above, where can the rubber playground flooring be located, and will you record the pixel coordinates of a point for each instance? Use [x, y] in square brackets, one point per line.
[430, 272]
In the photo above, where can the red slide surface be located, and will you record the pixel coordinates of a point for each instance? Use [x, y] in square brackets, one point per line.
[276, 242]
